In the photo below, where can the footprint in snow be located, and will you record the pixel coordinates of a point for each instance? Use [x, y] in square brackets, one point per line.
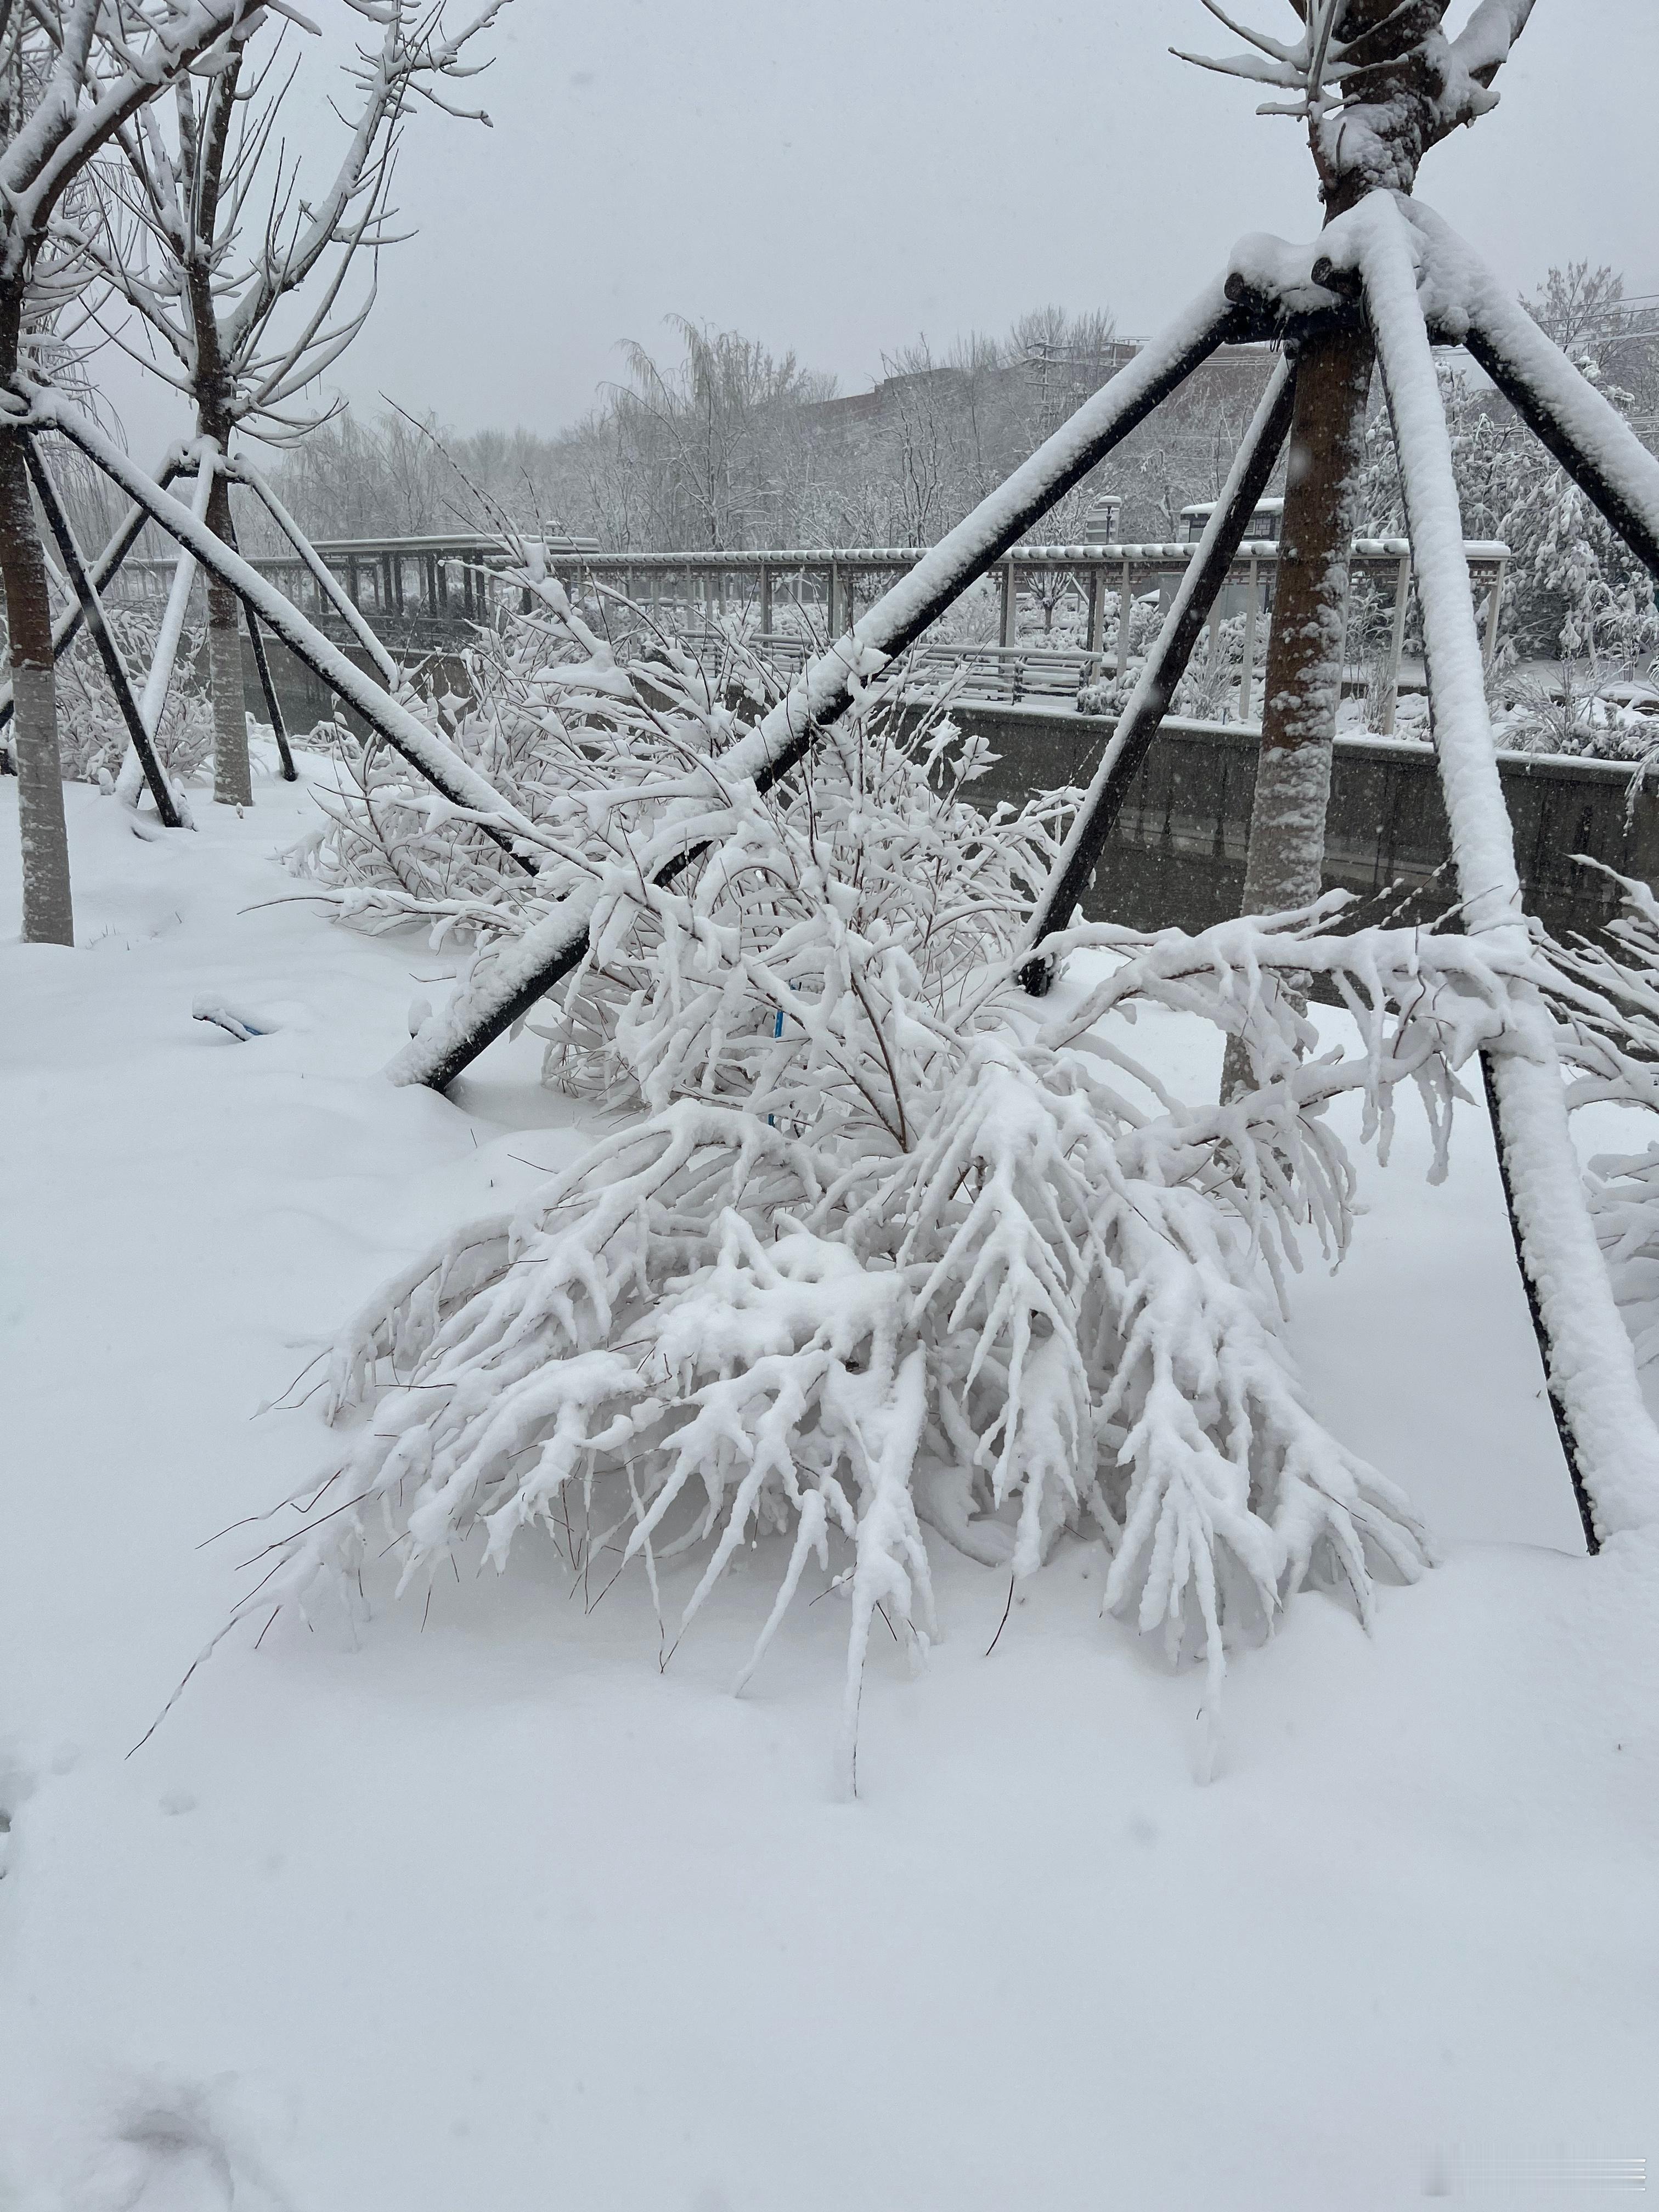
[178, 2148]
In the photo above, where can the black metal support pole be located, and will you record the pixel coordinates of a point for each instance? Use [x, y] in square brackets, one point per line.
[1141, 719]
[154, 775]
[1563, 1429]
[894, 623]
[399, 730]
[256, 639]
[66, 628]
[1534, 405]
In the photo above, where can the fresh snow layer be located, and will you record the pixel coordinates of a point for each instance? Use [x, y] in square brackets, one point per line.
[495, 1913]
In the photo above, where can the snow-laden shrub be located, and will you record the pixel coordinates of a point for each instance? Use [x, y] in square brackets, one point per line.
[1609, 989]
[880, 1243]
[382, 829]
[542, 707]
[1209, 689]
[1580, 715]
[1110, 694]
[92, 737]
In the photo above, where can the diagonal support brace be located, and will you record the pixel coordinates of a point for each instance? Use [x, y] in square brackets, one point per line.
[453, 778]
[525, 971]
[66, 628]
[1142, 717]
[1608, 1437]
[161, 791]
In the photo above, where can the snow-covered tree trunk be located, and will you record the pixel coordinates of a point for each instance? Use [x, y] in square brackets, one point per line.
[214, 389]
[76, 76]
[1305, 655]
[233, 780]
[1379, 84]
[48, 907]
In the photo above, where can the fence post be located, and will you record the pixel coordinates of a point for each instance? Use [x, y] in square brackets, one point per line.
[1009, 606]
[1125, 601]
[765, 599]
[1403, 586]
[1494, 607]
[1096, 608]
[1247, 672]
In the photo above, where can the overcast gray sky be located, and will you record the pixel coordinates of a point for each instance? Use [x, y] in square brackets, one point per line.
[838, 178]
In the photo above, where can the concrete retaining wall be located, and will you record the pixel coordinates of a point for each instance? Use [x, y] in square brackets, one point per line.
[1177, 855]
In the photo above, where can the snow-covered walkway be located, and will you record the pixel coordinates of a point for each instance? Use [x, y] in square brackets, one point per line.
[493, 1914]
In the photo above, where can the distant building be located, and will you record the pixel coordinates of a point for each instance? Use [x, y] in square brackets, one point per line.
[1233, 596]
[1101, 524]
[1264, 523]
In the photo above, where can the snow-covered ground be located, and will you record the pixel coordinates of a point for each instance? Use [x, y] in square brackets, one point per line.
[492, 1913]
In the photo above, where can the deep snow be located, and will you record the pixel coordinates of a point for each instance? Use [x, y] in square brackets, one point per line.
[494, 1914]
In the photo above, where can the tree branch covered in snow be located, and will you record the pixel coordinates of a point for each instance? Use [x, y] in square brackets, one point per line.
[107, 61]
[208, 233]
[1377, 81]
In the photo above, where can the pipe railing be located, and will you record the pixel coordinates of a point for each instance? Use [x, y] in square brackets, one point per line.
[457, 581]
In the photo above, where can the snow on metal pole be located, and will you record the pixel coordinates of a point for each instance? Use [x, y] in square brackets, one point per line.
[327, 582]
[1142, 717]
[451, 776]
[173, 813]
[524, 972]
[66, 628]
[1579, 425]
[1611, 1444]
[152, 703]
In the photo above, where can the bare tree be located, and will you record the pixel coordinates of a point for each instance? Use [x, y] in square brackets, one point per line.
[1377, 83]
[210, 239]
[920, 449]
[702, 430]
[73, 74]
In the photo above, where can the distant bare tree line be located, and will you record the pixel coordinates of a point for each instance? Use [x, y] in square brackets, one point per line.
[726, 444]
